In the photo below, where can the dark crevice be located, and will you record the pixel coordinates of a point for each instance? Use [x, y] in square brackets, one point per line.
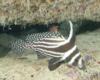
[88, 25]
[17, 30]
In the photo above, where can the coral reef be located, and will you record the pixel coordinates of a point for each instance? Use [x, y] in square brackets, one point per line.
[46, 11]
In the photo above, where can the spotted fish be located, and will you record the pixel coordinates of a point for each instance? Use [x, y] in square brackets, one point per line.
[52, 44]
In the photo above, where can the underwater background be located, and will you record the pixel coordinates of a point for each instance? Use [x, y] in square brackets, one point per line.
[19, 18]
[29, 67]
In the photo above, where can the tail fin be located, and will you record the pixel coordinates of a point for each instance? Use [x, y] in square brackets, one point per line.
[12, 43]
[5, 40]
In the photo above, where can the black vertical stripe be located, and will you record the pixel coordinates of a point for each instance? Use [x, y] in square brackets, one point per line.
[76, 61]
[71, 55]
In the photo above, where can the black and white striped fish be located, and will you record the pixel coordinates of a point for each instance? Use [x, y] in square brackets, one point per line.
[53, 44]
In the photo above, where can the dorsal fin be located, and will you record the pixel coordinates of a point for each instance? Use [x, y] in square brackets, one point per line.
[71, 37]
[66, 27]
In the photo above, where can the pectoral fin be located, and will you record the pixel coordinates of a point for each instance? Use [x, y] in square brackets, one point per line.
[54, 63]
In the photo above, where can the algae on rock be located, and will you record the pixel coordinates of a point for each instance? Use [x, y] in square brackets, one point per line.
[46, 11]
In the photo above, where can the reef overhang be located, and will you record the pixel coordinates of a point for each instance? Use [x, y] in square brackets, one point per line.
[45, 11]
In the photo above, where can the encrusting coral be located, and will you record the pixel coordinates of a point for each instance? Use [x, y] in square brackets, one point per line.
[46, 11]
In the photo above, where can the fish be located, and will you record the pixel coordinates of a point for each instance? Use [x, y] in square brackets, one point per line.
[54, 45]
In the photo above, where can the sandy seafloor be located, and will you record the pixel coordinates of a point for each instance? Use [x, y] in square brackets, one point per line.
[31, 68]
